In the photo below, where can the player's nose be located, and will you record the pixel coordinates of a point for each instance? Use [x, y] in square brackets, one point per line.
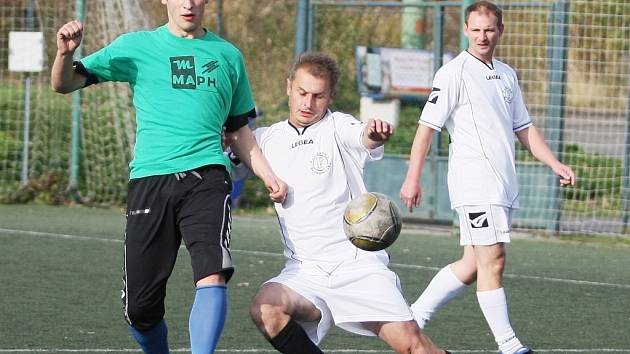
[308, 100]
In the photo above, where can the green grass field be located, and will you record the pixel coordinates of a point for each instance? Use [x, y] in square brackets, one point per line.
[61, 267]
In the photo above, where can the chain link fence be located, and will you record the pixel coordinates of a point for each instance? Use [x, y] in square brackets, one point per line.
[586, 119]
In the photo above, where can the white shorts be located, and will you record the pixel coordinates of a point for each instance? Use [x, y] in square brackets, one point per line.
[484, 225]
[348, 294]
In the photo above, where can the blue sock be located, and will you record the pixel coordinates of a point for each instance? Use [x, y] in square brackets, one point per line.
[207, 318]
[154, 340]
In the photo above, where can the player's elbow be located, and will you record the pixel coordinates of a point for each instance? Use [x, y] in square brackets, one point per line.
[67, 83]
[59, 87]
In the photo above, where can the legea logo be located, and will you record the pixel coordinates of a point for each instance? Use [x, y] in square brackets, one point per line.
[184, 74]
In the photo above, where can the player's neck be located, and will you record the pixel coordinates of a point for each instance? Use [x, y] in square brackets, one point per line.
[182, 33]
[486, 59]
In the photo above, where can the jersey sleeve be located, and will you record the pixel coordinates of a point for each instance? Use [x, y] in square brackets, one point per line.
[111, 63]
[234, 123]
[442, 99]
[521, 118]
[350, 133]
[242, 97]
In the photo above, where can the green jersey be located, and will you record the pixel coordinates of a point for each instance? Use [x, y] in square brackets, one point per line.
[184, 90]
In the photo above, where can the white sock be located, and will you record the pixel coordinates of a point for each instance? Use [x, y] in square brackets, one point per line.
[443, 288]
[494, 307]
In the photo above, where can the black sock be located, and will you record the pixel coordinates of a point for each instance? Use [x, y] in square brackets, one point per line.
[292, 339]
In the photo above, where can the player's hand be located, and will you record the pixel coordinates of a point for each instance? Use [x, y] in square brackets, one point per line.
[378, 130]
[69, 37]
[277, 189]
[566, 174]
[410, 194]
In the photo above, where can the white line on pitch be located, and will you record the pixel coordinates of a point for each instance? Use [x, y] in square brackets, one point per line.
[273, 254]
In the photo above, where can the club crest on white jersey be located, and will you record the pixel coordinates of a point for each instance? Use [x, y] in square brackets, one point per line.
[320, 163]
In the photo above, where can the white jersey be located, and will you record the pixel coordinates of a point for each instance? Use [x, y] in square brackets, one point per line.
[309, 160]
[481, 106]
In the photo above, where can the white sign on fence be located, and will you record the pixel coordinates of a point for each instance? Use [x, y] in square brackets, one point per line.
[26, 51]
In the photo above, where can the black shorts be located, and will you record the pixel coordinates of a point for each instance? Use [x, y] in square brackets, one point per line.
[161, 211]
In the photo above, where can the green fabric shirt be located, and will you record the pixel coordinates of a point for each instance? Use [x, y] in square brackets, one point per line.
[183, 92]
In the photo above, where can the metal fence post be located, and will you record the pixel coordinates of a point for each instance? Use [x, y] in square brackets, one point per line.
[438, 53]
[219, 18]
[558, 54]
[301, 27]
[625, 191]
[75, 159]
[27, 104]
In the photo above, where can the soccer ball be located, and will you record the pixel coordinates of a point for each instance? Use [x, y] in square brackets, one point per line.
[372, 221]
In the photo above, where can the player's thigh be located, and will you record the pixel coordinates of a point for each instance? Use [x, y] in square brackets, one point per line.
[276, 297]
[205, 222]
[366, 291]
[151, 244]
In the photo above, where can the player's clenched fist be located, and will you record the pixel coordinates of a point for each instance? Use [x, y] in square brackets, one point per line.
[69, 37]
[379, 130]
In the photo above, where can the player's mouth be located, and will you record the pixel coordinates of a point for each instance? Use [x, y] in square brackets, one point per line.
[306, 114]
[188, 17]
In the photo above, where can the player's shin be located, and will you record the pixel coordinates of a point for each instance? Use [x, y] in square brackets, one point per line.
[444, 287]
[154, 340]
[293, 339]
[494, 307]
[207, 318]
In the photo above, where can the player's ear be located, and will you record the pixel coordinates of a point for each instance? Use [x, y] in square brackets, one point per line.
[288, 87]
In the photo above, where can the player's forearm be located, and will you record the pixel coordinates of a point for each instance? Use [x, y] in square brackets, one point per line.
[63, 78]
[545, 155]
[535, 143]
[419, 149]
[260, 167]
[243, 144]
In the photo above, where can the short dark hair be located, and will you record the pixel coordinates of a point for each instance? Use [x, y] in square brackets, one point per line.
[485, 7]
[319, 65]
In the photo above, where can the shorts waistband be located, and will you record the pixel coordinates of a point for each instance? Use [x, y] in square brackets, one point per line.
[198, 171]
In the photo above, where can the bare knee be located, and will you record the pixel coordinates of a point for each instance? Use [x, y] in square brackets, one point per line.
[144, 318]
[269, 318]
[492, 264]
[494, 268]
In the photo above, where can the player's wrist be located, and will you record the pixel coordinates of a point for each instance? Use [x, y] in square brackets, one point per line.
[65, 54]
